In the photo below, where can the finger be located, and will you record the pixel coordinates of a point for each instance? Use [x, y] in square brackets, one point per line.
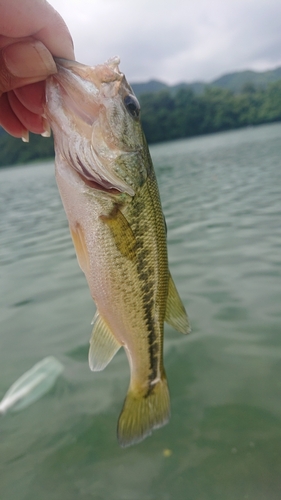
[29, 120]
[23, 18]
[8, 119]
[23, 63]
[32, 97]
[56, 37]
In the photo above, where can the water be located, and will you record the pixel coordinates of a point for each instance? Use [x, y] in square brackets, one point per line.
[221, 196]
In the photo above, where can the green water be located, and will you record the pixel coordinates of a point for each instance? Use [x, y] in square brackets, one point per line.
[221, 197]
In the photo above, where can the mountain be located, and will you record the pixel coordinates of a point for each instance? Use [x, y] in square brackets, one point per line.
[236, 81]
[157, 85]
[147, 87]
[231, 81]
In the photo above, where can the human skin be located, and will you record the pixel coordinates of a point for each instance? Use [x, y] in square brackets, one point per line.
[31, 34]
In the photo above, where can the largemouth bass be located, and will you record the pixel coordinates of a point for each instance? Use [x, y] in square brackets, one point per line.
[109, 191]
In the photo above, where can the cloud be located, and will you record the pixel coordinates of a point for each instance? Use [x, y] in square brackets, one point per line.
[176, 40]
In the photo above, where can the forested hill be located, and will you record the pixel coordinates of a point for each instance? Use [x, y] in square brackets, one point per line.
[167, 116]
[14, 152]
[231, 81]
[181, 111]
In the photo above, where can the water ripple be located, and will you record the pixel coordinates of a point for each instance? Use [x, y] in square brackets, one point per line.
[221, 198]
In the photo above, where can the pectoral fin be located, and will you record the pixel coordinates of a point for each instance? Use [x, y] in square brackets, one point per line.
[80, 247]
[103, 345]
[175, 312]
[122, 233]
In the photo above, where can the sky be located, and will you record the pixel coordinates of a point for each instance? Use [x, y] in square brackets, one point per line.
[176, 40]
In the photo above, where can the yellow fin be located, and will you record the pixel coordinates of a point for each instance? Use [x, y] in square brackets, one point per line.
[80, 247]
[122, 232]
[103, 345]
[175, 312]
[143, 412]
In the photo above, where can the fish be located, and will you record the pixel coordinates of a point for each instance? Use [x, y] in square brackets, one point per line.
[109, 191]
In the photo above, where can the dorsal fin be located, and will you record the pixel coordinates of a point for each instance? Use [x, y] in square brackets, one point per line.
[175, 312]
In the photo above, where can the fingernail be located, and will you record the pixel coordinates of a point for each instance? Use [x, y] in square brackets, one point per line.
[29, 60]
[25, 136]
[47, 128]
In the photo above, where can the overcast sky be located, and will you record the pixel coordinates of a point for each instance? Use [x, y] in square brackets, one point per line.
[176, 40]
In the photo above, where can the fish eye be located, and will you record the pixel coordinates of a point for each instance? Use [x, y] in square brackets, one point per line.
[132, 105]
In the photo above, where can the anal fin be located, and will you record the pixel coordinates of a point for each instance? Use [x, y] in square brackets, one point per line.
[175, 312]
[103, 345]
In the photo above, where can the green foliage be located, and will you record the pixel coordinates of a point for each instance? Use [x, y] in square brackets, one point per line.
[167, 115]
[14, 152]
[270, 110]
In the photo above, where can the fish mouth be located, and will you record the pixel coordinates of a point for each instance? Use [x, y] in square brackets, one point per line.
[75, 89]
[78, 92]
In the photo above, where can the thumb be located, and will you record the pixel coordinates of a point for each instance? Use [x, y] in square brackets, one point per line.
[24, 62]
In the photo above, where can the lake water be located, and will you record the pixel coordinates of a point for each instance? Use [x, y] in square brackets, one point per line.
[221, 196]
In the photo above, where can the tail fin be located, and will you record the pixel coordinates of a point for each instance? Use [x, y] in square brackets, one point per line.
[143, 413]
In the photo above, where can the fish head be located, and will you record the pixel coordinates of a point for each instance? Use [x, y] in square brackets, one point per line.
[95, 118]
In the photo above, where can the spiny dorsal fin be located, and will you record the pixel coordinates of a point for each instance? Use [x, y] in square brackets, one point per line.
[175, 312]
[103, 345]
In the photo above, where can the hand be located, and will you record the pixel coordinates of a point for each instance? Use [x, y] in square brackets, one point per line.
[31, 33]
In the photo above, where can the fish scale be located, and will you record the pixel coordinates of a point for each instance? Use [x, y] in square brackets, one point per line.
[109, 191]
